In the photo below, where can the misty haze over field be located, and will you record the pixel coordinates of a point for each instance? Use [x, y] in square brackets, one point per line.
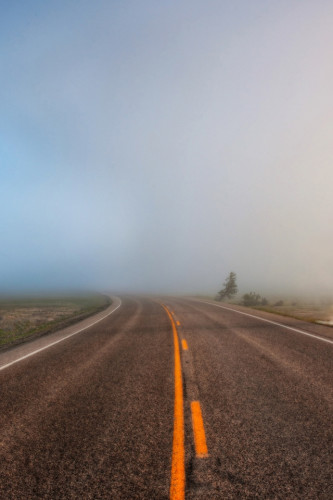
[157, 146]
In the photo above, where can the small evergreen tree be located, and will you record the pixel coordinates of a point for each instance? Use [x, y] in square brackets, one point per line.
[229, 289]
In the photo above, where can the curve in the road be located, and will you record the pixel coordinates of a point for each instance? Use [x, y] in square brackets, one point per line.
[116, 303]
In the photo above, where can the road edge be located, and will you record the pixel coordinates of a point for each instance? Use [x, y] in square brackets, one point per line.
[19, 353]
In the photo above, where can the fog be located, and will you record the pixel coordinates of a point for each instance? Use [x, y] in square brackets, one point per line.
[156, 146]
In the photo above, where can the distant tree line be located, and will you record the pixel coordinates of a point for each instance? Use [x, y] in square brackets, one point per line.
[254, 299]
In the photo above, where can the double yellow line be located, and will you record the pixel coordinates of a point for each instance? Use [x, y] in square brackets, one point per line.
[177, 484]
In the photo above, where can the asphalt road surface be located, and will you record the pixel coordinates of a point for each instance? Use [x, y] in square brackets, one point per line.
[191, 400]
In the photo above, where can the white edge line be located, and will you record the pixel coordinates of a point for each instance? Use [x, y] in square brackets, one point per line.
[57, 341]
[268, 321]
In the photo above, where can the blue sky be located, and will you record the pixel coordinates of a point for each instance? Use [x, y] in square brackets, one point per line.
[156, 146]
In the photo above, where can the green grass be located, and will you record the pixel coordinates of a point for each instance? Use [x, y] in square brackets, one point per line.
[31, 316]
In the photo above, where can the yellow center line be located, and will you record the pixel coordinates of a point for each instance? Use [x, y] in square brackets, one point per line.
[178, 323]
[201, 449]
[184, 345]
[177, 484]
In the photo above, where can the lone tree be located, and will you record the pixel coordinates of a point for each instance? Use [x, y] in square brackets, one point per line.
[230, 288]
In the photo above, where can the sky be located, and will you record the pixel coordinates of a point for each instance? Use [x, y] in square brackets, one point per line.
[155, 146]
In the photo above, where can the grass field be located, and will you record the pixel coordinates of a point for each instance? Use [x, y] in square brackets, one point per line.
[314, 311]
[30, 316]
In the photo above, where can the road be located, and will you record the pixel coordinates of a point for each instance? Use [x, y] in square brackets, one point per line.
[186, 400]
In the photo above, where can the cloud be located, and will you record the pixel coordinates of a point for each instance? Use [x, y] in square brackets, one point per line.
[158, 147]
